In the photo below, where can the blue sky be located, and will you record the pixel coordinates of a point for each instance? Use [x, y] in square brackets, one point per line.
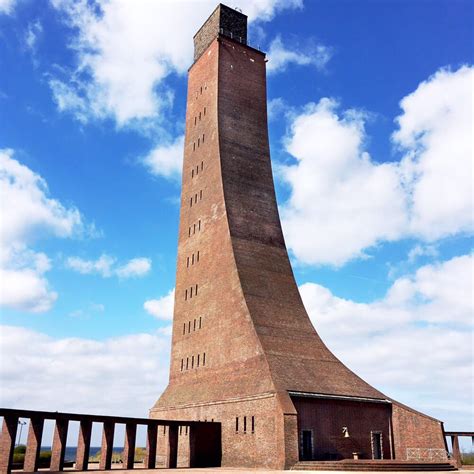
[371, 131]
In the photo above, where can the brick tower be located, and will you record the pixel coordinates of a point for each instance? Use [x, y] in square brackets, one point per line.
[244, 351]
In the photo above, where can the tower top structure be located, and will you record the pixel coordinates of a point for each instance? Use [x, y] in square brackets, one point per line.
[223, 20]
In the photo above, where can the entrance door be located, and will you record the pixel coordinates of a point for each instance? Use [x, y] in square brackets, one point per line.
[377, 452]
[307, 445]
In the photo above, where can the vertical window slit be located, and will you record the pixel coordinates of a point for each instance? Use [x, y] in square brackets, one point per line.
[182, 364]
[192, 173]
[236, 423]
[199, 356]
[189, 326]
[204, 359]
[194, 228]
[187, 262]
[200, 322]
[245, 424]
[187, 363]
[203, 138]
[184, 331]
[253, 424]
[192, 260]
[185, 295]
[191, 293]
[200, 194]
[199, 141]
[194, 326]
[196, 292]
[199, 224]
[192, 362]
[202, 165]
[204, 110]
[197, 257]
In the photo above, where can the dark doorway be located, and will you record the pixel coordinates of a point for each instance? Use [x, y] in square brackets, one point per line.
[306, 445]
[377, 452]
[206, 445]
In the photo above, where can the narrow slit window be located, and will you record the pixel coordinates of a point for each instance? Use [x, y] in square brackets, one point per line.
[199, 357]
[191, 202]
[185, 295]
[195, 120]
[200, 194]
[192, 259]
[253, 424]
[192, 173]
[203, 138]
[189, 326]
[194, 326]
[186, 431]
[197, 169]
[196, 292]
[202, 165]
[197, 257]
[195, 198]
[201, 89]
[192, 362]
[245, 424]
[184, 328]
[187, 363]
[194, 228]
[164, 430]
[189, 234]
[200, 322]
[204, 359]
[180, 430]
[236, 423]
[182, 364]
[199, 141]
[187, 262]
[199, 224]
[191, 293]
[199, 115]
[194, 146]
[204, 110]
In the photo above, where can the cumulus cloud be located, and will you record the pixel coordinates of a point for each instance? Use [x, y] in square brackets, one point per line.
[106, 266]
[161, 308]
[122, 375]
[358, 202]
[32, 34]
[125, 51]
[414, 342]
[27, 212]
[310, 54]
[166, 160]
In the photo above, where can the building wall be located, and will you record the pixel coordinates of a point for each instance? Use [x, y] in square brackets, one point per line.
[417, 437]
[326, 418]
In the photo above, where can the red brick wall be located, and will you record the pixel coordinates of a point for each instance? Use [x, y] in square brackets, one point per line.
[417, 437]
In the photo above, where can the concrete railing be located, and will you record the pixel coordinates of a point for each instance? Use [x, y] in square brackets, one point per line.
[11, 418]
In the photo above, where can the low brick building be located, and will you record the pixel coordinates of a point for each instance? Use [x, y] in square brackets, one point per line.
[244, 351]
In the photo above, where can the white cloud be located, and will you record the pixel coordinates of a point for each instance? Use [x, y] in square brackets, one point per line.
[422, 251]
[357, 202]
[414, 344]
[7, 6]
[166, 160]
[27, 213]
[106, 266]
[161, 308]
[354, 201]
[311, 54]
[126, 50]
[436, 130]
[122, 375]
[32, 34]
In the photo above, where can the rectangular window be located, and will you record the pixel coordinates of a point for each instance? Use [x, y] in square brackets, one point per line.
[182, 364]
[196, 292]
[201, 89]
[194, 146]
[195, 198]
[192, 260]
[185, 295]
[236, 423]
[192, 362]
[191, 202]
[197, 170]
[197, 257]
[199, 224]
[204, 359]
[200, 321]
[187, 262]
[203, 137]
[204, 110]
[202, 165]
[195, 120]
[199, 356]
[187, 363]
[194, 229]
[184, 328]
[191, 292]
[192, 173]
[194, 327]
[200, 194]
[199, 141]
[253, 424]
[199, 115]
[245, 424]
[189, 327]
[189, 234]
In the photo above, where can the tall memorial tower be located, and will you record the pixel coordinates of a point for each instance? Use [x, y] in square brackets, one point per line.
[244, 351]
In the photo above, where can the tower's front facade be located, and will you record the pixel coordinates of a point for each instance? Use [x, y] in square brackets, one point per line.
[244, 351]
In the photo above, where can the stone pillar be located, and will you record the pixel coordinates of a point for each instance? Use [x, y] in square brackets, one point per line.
[129, 447]
[456, 451]
[33, 444]
[59, 445]
[107, 446]
[83, 445]
[163, 447]
[173, 446]
[7, 443]
[151, 440]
